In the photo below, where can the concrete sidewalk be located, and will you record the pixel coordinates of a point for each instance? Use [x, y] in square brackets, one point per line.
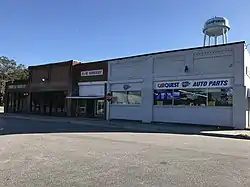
[132, 126]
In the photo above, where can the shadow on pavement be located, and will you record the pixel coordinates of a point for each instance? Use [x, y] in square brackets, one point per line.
[10, 126]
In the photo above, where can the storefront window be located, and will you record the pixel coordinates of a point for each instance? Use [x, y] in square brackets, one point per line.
[134, 97]
[163, 97]
[194, 97]
[220, 97]
[120, 98]
[124, 97]
[190, 97]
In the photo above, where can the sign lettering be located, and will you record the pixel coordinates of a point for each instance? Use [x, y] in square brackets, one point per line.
[214, 83]
[92, 73]
[20, 86]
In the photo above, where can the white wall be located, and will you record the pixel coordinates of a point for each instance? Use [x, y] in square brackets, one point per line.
[194, 115]
[133, 86]
[213, 62]
[247, 68]
[204, 63]
[239, 100]
[127, 69]
[131, 72]
[247, 82]
[168, 64]
[126, 112]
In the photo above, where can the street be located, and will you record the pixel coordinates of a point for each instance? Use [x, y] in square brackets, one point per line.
[36, 153]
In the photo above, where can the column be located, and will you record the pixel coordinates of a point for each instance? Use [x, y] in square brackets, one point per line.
[68, 106]
[240, 107]
[147, 92]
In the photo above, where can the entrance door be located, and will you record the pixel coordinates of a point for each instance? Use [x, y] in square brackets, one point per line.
[99, 109]
[90, 109]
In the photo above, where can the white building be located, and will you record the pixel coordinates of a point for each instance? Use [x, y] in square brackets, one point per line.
[205, 85]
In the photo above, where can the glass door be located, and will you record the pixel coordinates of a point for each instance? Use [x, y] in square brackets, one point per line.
[81, 107]
[99, 111]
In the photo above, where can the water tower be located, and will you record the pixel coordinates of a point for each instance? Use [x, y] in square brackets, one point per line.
[216, 28]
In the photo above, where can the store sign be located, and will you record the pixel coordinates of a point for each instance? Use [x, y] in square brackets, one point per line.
[92, 73]
[21, 86]
[126, 86]
[211, 83]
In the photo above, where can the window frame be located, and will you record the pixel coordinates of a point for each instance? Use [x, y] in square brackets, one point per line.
[127, 94]
[207, 100]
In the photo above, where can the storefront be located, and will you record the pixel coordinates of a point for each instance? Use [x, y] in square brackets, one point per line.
[88, 97]
[51, 103]
[126, 97]
[206, 86]
[49, 85]
[16, 97]
[190, 101]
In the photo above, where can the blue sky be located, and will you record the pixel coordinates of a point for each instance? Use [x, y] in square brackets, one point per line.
[44, 31]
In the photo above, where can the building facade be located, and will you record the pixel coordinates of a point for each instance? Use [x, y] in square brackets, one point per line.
[206, 85]
[49, 84]
[89, 82]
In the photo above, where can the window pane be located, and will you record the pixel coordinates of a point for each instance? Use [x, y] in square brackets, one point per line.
[120, 98]
[220, 97]
[163, 97]
[191, 97]
[134, 97]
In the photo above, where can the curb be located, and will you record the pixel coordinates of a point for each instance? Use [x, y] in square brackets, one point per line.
[133, 128]
[62, 120]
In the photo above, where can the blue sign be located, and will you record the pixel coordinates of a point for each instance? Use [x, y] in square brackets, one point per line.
[157, 96]
[161, 96]
[176, 95]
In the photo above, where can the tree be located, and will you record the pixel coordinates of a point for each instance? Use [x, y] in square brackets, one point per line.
[10, 71]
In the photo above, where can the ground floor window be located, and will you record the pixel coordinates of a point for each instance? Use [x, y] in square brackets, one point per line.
[220, 97]
[48, 103]
[126, 97]
[194, 97]
[163, 97]
[16, 102]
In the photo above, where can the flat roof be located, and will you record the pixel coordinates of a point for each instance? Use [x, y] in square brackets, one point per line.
[170, 51]
[140, 55]
[53, 63]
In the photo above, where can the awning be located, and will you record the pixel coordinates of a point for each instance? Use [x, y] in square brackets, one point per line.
[85, 97]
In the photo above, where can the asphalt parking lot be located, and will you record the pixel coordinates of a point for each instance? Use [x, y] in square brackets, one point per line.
[34, 153]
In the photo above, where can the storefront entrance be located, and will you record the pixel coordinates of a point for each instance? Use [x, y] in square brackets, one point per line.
[48, 103]
[90, 108]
